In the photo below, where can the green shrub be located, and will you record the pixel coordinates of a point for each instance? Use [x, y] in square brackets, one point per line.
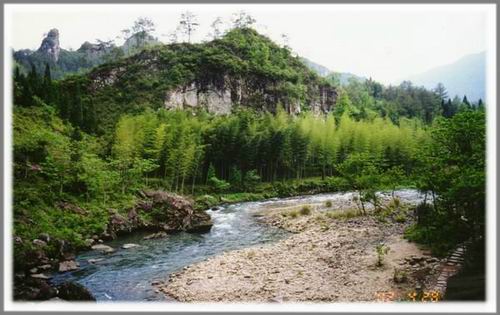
[381, 250]
[328, 204]
[305, 210]
[400, 217]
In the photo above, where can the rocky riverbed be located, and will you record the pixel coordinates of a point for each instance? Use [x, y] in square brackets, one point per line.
[331, 257]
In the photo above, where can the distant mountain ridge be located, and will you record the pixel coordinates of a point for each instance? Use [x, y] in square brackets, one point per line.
[466, 76]
[342, 77]
[63, 62]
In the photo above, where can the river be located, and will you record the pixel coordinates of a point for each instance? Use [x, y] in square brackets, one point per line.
[127, 274]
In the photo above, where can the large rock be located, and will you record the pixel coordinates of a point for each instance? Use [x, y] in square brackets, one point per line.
[72, 291]
[176, 213]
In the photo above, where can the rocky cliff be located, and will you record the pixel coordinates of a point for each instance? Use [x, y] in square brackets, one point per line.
[235, 92]
[50, 45]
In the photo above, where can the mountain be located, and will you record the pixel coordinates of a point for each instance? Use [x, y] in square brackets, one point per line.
[342, 78]
[241, 69]
[463, 77]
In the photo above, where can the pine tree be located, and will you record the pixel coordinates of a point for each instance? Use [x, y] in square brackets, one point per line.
[466, 102]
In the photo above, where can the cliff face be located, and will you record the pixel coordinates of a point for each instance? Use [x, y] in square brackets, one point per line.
[240, 92]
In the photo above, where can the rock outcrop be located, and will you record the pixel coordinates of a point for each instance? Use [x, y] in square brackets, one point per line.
[50, 45]
[174, 213]
[222, 97]
[168, 212]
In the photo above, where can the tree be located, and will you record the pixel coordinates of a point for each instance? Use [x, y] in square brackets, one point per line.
[363, 175]
[448, 108]
[188, 24]
[286, 41]
[465, 101]
[141, 31]
[441, 92]
[453, 170]
[242, 19]
[216, 28]
[480, 104]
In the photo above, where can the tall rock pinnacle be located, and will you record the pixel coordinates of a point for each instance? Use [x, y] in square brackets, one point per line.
[50, 45]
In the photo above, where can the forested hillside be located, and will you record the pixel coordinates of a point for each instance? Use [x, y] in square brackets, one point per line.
[236, 118]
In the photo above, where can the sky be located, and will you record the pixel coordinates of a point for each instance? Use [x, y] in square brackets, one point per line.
[385, 42]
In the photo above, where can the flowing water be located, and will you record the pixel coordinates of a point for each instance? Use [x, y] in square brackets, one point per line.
[127, 274]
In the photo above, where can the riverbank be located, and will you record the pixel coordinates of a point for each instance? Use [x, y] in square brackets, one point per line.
[332, 257]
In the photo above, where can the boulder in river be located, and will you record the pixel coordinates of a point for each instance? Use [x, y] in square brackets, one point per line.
[72, 291]
[103, 248]
[130, 245]
[68, 265]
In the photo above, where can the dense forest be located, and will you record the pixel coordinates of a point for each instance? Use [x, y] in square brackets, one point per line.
[98, 148]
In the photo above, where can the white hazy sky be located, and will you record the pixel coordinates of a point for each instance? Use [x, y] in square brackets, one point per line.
[386, 42]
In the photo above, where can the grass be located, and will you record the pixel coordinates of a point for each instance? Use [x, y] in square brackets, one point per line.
[343, 214]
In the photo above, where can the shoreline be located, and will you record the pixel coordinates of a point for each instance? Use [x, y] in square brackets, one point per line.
[313, 264]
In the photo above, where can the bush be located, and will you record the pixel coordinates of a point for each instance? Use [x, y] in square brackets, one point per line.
[328, 204]
[305, 210]
[219, 185]
[381, 250]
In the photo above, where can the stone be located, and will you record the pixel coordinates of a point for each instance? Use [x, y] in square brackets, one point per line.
[44, 237]
[34, 270]
[68, 265]
[40, 276]
[40, 243]
[94, 260]
[155, 235]
[45, 267]
[89, 242]
[103, 248]
[130, 245]
[72, 291]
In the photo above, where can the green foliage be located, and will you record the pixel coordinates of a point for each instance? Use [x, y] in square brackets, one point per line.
[381, 250]
[452, 171]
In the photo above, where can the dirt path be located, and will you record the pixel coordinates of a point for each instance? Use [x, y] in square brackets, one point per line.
[328, 259]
